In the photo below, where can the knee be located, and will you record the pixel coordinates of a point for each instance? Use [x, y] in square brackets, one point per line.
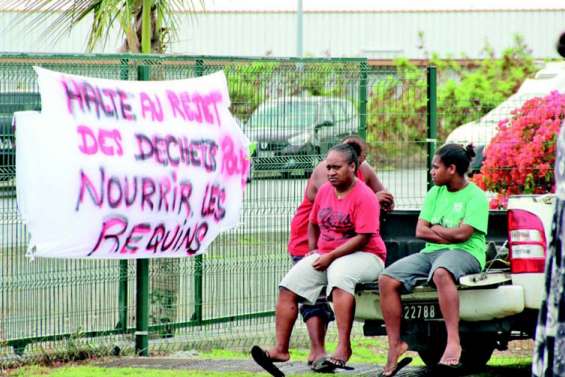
[388, 284]
[286, 296]
[342, 298]
[340, 294]
[442, 277]
[287, 301]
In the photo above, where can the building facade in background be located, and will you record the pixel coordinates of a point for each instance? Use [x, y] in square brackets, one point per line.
[331, 28]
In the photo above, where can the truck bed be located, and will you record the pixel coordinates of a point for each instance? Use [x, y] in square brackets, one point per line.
[399, 227]
[476, 304]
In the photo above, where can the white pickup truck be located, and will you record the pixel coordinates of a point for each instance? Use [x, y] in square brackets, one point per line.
[496, 306]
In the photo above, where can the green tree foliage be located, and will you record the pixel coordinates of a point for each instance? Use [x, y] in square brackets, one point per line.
[248, 86]
[475, 92]
[397, 103]
[396, 118]
[324, 79]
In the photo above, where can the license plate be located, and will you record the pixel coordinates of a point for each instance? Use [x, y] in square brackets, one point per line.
[421, 310]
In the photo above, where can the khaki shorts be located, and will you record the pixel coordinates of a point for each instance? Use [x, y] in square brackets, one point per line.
[344, 273]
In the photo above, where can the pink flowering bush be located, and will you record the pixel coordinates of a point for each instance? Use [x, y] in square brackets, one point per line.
[520, 158]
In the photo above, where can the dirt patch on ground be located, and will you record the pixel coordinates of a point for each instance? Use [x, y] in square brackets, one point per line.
[518, 348]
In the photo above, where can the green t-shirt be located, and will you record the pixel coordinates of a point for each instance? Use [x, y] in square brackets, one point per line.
[448, 209]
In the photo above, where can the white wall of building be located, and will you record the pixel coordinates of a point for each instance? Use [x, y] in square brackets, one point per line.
[380, 34]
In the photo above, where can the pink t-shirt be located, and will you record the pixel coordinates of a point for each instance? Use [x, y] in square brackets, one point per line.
[298, 241]
[341, 219]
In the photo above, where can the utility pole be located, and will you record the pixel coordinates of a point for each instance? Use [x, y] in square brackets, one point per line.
[299, 29]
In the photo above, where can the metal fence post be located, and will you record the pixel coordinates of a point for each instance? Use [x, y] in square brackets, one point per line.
[363, 68]
[197, 316]
[142, 280]
[123, 297]
[431, 139]
[123, 280]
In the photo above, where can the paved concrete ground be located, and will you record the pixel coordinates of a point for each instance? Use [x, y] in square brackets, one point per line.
[289, 368]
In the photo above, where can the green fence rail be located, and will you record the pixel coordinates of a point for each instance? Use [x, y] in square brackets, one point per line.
[294, 110]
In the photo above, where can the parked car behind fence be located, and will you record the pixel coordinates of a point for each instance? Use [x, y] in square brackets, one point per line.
[292, 133]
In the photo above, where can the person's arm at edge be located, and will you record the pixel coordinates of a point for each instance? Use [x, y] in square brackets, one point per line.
[313, 235]
[385, 197]
[371, 178]
[318, 178]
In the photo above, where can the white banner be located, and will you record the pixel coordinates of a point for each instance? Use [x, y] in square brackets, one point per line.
[129, 169]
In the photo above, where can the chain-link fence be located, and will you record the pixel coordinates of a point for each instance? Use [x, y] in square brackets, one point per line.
[293, 111]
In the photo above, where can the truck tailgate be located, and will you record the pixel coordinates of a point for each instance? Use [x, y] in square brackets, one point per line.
[475, 304]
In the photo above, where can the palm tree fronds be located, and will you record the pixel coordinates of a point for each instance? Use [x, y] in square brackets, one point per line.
[127, 14]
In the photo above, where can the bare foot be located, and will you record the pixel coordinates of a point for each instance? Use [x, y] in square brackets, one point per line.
[313, 356]
[342, 353]
[451, 355]
[278, 356]
[394, 353]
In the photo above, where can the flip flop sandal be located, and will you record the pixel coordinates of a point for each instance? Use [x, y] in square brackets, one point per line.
[311, 362]
[263, 359]
[401, 364]
[329, 364]
[448, 369]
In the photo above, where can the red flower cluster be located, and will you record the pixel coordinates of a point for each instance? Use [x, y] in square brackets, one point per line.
[520, 158]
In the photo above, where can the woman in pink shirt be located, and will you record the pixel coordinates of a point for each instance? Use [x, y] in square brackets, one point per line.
[345, 248]
[318, 316]
[298, 242]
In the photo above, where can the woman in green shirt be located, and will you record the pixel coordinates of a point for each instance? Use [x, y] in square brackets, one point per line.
[453, 222]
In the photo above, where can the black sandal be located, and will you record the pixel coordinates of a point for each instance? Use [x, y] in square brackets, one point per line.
[399, 365]
[263, 359]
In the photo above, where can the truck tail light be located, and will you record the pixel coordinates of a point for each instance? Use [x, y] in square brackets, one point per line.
[527, 242]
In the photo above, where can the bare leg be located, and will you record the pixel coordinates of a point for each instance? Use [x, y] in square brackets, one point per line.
[317, 332]
[449, 305]
[391, 308]
[344, 307]
[285, 316]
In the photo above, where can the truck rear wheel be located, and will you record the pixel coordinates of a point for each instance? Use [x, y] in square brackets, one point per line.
[477, 350]
[430, 356]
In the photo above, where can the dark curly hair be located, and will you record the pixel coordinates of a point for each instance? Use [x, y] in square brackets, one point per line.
[356, 142]
[457, 155]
